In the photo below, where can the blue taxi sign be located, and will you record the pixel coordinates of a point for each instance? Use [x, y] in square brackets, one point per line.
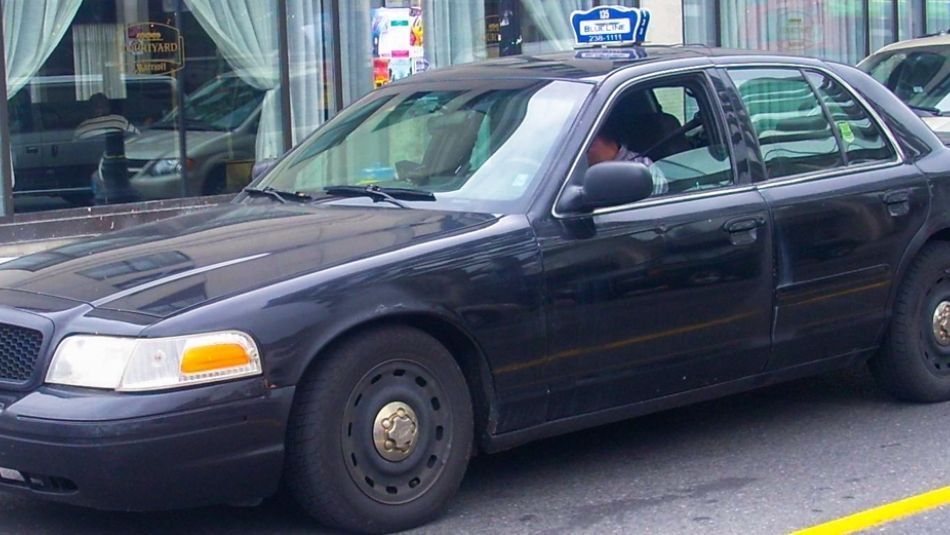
[610, 25]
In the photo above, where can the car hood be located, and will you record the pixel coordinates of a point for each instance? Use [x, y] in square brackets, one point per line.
[155, 144]
[163, 268]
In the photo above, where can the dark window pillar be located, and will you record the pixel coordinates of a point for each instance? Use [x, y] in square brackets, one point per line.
[6, 165]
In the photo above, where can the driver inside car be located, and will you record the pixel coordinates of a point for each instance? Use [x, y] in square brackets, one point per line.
[607, 146]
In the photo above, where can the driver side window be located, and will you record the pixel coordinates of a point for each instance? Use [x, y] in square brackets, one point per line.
[670, 126]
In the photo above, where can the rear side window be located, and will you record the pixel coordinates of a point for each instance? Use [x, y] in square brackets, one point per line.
[861, 138]
[794, 133]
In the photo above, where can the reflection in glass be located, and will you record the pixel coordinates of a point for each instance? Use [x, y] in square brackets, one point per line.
[310, 47]
[474, 146]
[699, 22]
[830, 30]
[938, 16]
[794, 134]
[881, 23]
[95, 87]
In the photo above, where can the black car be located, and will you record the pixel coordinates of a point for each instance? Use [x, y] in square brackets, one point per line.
[449, 267]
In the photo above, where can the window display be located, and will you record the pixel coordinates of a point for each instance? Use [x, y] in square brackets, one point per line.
[120, 101]
[116, 102]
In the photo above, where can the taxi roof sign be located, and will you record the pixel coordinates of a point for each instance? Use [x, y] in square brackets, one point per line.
[610, 25]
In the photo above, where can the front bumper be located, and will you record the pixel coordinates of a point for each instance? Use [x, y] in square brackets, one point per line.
[209, 445]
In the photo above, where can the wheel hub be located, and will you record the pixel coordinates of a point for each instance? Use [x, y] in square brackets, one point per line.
[941, 323]
[395, 431]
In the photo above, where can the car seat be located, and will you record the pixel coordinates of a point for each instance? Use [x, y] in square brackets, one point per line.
[648, 129]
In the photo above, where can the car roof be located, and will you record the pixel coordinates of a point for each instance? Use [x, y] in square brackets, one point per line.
[940, 39]
[587, 64]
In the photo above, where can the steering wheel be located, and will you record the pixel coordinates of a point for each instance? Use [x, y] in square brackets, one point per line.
[695, 122]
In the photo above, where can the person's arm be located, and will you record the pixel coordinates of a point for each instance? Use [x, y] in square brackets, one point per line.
[661, 185]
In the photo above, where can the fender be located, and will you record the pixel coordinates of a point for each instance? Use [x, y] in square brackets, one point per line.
[937, 223]
[434, 320]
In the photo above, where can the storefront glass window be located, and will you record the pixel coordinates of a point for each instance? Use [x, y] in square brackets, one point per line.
[115, 101]
[385, 40]
[699, 22]
[910, 18]
[881, 23]
[833, 29]
[938, 15]
[312, 65]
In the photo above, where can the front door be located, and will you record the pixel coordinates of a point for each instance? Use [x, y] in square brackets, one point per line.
[671, 293]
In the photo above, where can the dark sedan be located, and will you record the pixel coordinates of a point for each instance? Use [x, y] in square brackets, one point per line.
[475, 258]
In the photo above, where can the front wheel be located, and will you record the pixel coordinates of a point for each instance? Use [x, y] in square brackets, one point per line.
[381, 432]
[914, 363]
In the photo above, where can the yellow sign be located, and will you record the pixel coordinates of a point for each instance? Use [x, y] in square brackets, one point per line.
[155, 48]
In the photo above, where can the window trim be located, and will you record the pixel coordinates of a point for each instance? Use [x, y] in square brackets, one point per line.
[702, 70]
[757, 145]
[844, 150]
[899, 156]
[826, 111]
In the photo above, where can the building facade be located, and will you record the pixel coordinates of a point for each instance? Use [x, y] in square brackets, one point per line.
[126, 111]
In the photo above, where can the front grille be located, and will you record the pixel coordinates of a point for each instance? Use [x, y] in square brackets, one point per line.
[19, 349]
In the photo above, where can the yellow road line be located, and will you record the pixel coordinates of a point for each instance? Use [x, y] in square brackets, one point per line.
[882, 515]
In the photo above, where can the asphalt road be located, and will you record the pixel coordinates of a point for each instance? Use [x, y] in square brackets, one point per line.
[769, 461]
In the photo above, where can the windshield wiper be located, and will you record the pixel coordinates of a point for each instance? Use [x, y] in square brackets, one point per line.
[378, 194]
[933, 112]
[280, 195]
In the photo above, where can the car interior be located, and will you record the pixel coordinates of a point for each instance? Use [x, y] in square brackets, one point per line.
[673, 126]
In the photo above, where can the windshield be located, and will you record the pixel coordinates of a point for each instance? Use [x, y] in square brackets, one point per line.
[476, 145]
[920, 77]
[221, 104]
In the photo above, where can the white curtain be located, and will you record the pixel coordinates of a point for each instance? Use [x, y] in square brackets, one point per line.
[31, 30]
[99, 60]
[356, 48]
[245, 31]
[454, 31]
[553, 20]
[830, 30]
[938, 16]
[311, 99]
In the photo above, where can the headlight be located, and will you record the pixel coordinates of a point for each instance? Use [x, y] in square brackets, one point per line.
[136, 364]
[170, 166]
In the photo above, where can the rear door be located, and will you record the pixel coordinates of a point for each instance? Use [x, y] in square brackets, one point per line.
[844, 205]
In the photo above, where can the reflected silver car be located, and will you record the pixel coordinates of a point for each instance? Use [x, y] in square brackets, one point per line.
[220, 120]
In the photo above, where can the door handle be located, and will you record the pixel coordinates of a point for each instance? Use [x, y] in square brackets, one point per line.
[744, 230]
[897, 202]
[743, 224]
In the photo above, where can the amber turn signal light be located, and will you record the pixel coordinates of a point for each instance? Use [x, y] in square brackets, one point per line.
[211, 358]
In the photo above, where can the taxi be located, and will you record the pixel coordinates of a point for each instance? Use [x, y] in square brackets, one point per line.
[477, 257]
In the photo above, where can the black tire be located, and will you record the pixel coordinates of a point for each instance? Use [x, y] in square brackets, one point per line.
[913, 364]
[334, 469]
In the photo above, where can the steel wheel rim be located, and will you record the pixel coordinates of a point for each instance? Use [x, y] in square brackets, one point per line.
[935, 326]
[404, 472]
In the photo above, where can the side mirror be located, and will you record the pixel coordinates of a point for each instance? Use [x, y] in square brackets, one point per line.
[261, 168]
[608, 184]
